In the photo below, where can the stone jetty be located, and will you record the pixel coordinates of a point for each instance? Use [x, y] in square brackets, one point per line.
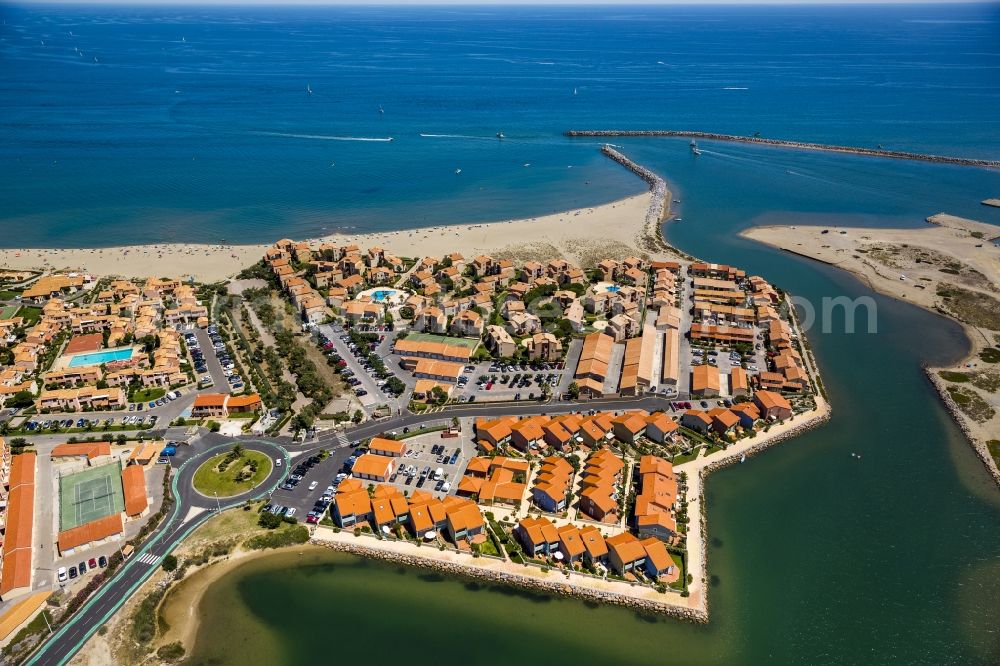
[659, 205]
[803, 145]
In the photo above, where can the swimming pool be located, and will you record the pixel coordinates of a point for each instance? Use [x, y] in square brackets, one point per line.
[613, 288]
[380, 295]
[106, 356]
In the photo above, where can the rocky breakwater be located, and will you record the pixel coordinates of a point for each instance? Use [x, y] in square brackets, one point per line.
[659, 205]
[527, 583]
[804, 145]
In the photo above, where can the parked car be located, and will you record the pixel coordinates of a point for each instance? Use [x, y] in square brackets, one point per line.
[61, 574]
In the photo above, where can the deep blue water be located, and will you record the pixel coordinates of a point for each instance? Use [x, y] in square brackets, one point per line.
[196, 124]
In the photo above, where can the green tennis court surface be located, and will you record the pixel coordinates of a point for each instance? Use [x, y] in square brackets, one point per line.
[8, 311]
[430, 337]
[90, 494]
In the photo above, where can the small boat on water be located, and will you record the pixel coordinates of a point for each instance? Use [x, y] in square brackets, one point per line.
[499, 135]
[309, 90]
[458, 171]
[743, 458]
[574, 91]
[380, 109]
[694, 148]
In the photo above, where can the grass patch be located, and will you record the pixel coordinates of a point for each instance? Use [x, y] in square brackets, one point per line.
[31, 315]
[240, 475]
[972, 307]
[288, 536]
[987, 381]
[990, 355]
[971, 404]
[146, 395]
[956, 377]
[993, 446]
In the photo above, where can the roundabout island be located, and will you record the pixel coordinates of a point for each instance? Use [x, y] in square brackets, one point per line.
[232, 473]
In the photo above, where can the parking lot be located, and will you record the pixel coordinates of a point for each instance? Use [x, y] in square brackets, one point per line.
[489, 382]
[163, 412]
[309, 484]
[301, 495]
[355, 368]
[212, 360]
[433, 463]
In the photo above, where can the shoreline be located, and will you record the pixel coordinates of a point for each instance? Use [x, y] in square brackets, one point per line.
[784, 238]
[616, 229]
[182, 603]
[693, 608]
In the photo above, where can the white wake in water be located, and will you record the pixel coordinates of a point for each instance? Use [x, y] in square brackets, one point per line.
[323, 137]
[456, 136]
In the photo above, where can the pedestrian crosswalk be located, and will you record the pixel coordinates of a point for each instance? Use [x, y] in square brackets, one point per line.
[342, 440]
[149, 558]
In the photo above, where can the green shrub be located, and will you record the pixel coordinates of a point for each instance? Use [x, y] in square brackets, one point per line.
[171, 652]
[289, 536]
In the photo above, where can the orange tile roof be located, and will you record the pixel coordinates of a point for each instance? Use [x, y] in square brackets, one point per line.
[593, 541]
[771, 400]
[569, 538]
[388, 445]
[241, 401]
[626, 546]
[134, 483]
[353, 500]
[210, 400]
[17, 545]
[89, 449]
[539, 530]
[95, 530]
[371, 464]
[463, 514]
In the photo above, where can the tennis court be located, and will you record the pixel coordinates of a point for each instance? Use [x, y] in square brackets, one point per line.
[90, 494]
[8, 311]
[431, 337]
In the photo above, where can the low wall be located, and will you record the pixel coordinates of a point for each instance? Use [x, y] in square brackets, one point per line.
[557, 588]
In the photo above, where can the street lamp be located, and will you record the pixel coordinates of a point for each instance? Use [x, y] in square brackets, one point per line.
[218, 507]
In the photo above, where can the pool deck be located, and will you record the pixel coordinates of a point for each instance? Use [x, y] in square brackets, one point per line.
[65, 362]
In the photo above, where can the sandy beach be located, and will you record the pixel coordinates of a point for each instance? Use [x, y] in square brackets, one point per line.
[583, 235]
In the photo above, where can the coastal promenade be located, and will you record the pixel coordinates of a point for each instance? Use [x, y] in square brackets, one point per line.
[781, 143]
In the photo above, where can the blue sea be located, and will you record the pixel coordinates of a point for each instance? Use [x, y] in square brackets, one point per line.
[139, 125]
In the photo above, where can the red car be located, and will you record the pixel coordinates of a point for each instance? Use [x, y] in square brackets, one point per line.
[92, 564]
[312, 520]
[489, 386]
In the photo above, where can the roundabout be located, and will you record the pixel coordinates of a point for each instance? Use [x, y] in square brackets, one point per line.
[235, 472]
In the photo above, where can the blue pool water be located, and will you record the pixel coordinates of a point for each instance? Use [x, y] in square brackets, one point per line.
[97, 358]
[612, 288]
[382, 294]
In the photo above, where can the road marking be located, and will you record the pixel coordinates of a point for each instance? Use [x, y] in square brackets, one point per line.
[149, 558]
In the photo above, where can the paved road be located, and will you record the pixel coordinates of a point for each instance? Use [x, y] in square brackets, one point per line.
[192, 508]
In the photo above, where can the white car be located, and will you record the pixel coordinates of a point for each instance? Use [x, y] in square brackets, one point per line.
[277, 462]
[62, 575]
[314, 485]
